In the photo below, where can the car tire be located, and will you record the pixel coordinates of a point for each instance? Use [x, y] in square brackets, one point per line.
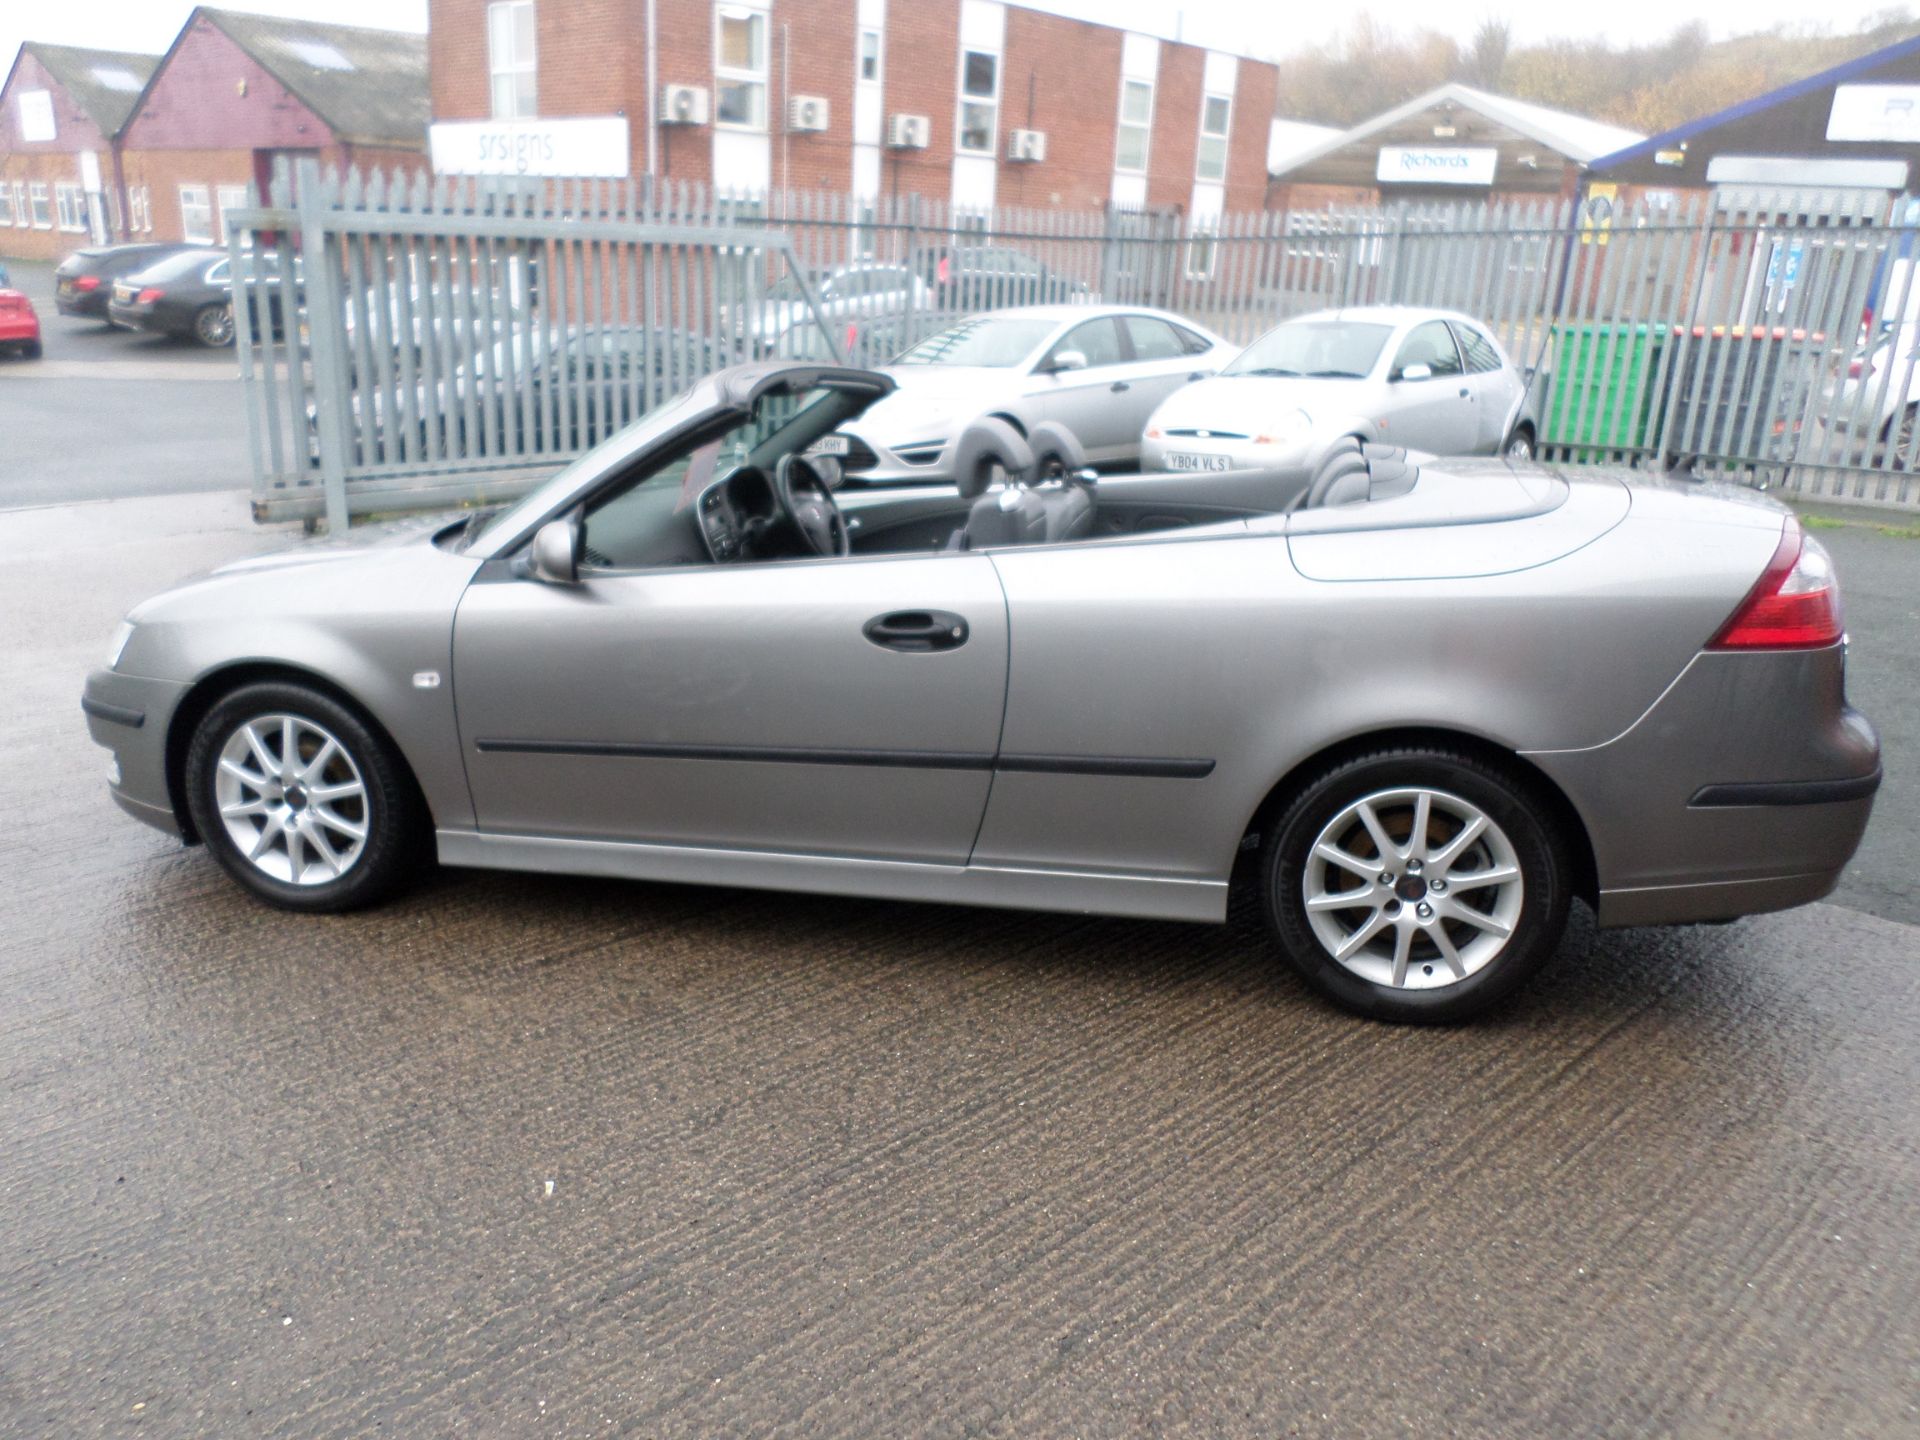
[346, 779]
[1423, 941]
[213, 326]
[31, 349]
[1519, 448]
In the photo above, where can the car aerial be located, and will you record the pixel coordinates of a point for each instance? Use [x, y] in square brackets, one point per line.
[1098, 370]
[686, 657]
[19, 324]
[1429, 380]
[846, 294]
[83, 282]
[189, 294]
[992, 277]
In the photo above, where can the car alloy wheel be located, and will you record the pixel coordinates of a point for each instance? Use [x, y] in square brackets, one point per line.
[213, 326]
[292, 800]
[1412, 887]
[1520, 447]
[302, 800]
[1417, 884]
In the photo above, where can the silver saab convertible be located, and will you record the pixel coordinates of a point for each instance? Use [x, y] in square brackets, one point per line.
[1442, 701]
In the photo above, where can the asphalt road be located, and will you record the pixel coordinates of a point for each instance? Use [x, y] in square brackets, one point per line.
[524, 1155]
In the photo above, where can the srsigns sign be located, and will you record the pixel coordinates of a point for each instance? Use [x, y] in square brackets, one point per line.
[1437, 165]
[595, 147]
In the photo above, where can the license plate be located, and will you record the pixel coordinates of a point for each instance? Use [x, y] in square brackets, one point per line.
[829, 445]
[1181, 460]
[123, 294]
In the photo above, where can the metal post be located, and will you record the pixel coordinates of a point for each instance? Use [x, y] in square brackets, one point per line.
[330, 388]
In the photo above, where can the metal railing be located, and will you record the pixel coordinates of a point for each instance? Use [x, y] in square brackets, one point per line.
[428, 342]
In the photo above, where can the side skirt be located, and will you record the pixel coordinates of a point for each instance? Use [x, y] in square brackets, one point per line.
[1085, 892]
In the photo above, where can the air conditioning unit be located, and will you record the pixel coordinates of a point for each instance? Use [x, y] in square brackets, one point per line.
[807, 113]
[909, 132]
[1027, 145]
[683, 105]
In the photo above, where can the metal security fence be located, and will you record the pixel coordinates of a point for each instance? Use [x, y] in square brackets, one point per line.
[425, 342]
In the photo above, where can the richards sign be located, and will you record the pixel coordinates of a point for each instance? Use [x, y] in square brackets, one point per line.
[594, 148]
[1439, 165]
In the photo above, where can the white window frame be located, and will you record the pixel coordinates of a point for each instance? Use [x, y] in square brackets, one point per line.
[204, 205]
[39, 204]
[70, 206]
[6, 204]
[1203, 250]
[757, 76]
[226, 197]
[1224, 136]
[512, 65]
[1122, 125]
[967, 98]
[879, 39]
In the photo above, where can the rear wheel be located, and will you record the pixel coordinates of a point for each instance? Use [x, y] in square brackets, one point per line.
[1519, 447]
[1416, 885]
[31, 349]
[300, 801]
[213, 326]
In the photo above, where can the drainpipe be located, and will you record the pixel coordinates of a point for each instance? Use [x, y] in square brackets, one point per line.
[653, 88]
[120, 191]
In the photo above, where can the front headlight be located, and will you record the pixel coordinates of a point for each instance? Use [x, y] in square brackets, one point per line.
[118, 645]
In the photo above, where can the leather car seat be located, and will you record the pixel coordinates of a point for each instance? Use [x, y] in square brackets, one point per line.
[991, 451]
[1065, 484]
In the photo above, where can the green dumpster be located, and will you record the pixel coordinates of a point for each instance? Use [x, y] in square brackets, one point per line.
[1602, 391]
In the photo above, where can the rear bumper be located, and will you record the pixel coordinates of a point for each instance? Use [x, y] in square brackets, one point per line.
[12, 332]
[1745, 788]
[86, 305]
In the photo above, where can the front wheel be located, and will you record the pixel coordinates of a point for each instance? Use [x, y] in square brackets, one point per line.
[213, 326]
[300, 801]
[1416, 885]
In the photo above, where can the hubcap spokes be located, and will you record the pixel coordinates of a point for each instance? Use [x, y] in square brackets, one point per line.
[1413, 888]
[292, 799]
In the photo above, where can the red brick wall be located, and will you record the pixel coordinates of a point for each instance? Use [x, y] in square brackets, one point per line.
[923, 78]
[1254, 92]
[457, 79]
[211, 95]
[1176, 127]
[1076, 103]
[46, 161]
[818, 41]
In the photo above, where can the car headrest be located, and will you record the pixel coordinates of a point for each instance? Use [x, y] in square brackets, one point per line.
[983, 445]
[1057, 452]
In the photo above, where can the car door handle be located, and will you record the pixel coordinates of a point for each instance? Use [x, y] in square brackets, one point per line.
[917, 630]
[1200, 375]
[1466, 394]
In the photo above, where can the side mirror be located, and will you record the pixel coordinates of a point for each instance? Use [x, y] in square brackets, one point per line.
[1068, 360]
[556, 552]
[1415, 372]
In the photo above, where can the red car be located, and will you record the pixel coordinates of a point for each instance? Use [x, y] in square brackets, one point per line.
[19, 326]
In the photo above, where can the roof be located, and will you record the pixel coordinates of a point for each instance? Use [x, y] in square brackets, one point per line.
[1288, 138]
[368, 85]
[1838, 74]
[97, 80]
[1575, 136]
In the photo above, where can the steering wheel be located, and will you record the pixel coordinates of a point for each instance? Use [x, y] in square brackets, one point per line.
[804, 499]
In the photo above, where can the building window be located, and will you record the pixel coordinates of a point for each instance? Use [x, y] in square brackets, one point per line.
[870, 55]
[139, 211]
[740, 68]
[6, 203]
[70, 201]
[1202, 249]
[1216, 113]
[37, 200]
[231, 197]
[510, 60]
[1136, 126]
[196, 215]
[979, 100]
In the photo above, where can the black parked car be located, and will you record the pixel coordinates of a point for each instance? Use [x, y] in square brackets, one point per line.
[991, 277]
[189, 294]
[85, 278]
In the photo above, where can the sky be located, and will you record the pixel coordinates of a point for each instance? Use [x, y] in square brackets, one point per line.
[1268, 30]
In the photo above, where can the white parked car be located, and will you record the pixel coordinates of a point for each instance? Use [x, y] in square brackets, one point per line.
[847, 294]
[1428, 380]
[1098, 370]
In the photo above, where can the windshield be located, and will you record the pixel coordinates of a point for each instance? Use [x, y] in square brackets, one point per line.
[996, 342]
[1325, 349]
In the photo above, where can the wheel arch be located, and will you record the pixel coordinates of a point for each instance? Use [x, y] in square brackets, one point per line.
[214, 686]
[1537, 782]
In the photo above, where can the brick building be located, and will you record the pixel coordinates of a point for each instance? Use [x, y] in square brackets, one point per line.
[236, 90]
[976, 102]
[61, 111]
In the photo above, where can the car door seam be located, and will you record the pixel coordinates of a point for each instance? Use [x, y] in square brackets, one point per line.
[1006, 703]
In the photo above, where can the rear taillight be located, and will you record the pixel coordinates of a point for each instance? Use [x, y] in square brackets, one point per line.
[148, 295]
[1795, 605]
[1857, 368]
[87, 282]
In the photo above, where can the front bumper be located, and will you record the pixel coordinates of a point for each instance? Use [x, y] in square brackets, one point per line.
[1239, 454]
[888, 466]
[131, 716]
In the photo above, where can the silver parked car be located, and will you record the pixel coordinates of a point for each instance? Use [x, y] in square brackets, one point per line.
[1098, 370]
[1444, 701]
[1427, 380]
[848, 295]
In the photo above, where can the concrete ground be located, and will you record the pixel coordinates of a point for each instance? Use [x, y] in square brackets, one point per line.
[525, 1155]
